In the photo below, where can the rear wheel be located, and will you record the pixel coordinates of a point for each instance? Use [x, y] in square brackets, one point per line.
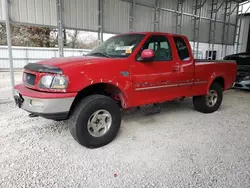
[210, 102]
[95, 121]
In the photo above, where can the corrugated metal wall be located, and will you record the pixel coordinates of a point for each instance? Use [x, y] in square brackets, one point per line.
[116, 16]
[144, 18]
[167, 21]
[187, 27]
[2, 17]
[83, 15]
[244, 36]
[34, 12]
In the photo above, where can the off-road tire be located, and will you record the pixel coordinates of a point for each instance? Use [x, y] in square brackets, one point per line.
[79, 119]
[200, 101]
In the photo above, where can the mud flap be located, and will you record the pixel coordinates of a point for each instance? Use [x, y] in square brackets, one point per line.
[18, 100]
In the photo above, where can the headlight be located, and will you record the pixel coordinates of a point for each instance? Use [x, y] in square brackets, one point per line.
[246, 78]
[53, 82]
[46, 81]
[59, 82]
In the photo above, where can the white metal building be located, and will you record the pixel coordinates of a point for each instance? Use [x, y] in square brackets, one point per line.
[244, 40]
[213, 26]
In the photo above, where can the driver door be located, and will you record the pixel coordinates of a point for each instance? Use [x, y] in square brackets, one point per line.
[157, 80]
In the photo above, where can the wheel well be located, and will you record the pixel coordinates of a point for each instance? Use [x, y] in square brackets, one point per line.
[103, 89]
[221, 81]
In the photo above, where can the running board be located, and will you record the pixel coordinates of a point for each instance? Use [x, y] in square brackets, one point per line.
[150, 109]
[32, 115]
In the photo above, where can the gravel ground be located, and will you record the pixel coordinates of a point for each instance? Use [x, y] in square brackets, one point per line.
[177, 148]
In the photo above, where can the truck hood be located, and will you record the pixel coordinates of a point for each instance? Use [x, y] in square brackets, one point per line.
[77, 65]
[66, 62]
[83, 71]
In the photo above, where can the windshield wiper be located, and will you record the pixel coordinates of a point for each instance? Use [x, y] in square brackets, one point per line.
[98, 54]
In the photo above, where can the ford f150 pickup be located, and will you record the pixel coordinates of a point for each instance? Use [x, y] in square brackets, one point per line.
[129, 70]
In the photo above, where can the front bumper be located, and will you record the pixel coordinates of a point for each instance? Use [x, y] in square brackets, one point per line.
[242, 85]
[54, 106]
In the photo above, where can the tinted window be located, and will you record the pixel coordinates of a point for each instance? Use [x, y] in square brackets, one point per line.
[182, 48]
[159, 44]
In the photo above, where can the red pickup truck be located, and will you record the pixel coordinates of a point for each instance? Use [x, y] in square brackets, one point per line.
[129, 70]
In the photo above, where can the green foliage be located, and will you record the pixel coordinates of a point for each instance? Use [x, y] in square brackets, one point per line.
[34, 36]
[28, 36]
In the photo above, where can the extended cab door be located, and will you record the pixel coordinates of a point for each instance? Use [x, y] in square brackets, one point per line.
[186, 65]
[157, 80]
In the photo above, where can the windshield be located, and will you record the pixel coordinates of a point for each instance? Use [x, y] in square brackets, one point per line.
[118, 46]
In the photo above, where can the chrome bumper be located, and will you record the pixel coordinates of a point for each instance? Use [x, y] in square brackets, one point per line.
[47, 106]
[57, 108]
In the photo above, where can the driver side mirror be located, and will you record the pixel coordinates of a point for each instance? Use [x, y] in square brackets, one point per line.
[147, 55]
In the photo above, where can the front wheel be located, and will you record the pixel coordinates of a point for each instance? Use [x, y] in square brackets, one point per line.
[95, 121]
[210, 102]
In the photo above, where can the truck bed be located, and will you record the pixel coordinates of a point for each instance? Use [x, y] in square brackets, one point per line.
[213, 61]
[206, 70]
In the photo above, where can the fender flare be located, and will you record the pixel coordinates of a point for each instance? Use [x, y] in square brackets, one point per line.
[122, 87]
[212, 78]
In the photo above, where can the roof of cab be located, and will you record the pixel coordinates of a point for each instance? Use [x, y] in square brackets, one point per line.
[153, 33]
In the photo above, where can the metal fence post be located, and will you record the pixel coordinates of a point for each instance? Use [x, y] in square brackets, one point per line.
[132, 16]
[100, 21]
[8, 31]
[179, 17]
[197, 20]
[212, 28]
[157, 15]
[60, 26]
[238, 27]
[26, 55]
[225, 29]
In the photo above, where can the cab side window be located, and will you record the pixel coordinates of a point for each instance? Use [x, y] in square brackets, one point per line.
[182, 48]
[160, 45]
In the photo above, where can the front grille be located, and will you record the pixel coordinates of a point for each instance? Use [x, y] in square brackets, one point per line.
[29, 79]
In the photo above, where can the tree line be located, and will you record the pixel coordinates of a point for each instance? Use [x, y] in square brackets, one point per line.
[33, 36]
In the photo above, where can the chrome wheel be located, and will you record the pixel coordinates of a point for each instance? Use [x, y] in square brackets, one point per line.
[211, 98]
[99, 123]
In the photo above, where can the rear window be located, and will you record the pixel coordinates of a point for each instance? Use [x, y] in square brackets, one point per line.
[182, 48]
